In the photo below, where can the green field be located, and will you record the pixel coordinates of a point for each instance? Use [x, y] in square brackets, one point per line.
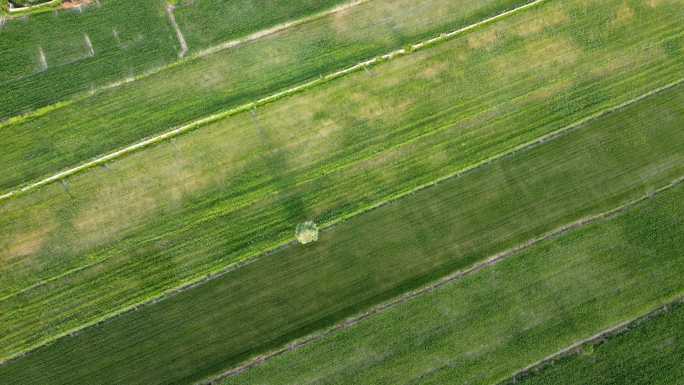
[115, 118]
[128, 38]
[114, 237]
[143, 40]
[483, 328]
[498, 186]
[609, 162]
[649, 354]
[203, 22]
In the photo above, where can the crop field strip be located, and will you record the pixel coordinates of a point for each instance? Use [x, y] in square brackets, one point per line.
[649, 351]
[609, 162]
[129, 39]
[73, 134]
[45, 58]
[250, 106]
[481, 329]
[181, 234]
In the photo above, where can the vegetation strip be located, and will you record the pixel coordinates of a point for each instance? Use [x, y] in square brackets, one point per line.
[265, 100]
[182, 210]
[411, 295]
[586, 346]
[252, 308]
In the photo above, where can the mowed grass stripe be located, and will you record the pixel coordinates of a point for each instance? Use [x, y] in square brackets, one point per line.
[76, 133]
[373, 257]
[172, 214]
[483, 328]
[127, 40]
[649, 350]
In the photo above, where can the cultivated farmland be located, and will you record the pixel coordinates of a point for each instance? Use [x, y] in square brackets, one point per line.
[175, 212]
[227, 181]
[650, 352]
[57, 57]
[72, 134]
[484, 327]
[427, 235]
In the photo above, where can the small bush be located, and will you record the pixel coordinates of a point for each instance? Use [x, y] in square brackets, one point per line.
[306, 232]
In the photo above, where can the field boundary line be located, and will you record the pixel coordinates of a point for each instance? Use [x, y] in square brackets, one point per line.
[211, 274]
[267, 99]
[184, 59]
[576, 348]
[441, 282]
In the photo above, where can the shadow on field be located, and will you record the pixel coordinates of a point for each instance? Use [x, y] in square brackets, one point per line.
[275, 160]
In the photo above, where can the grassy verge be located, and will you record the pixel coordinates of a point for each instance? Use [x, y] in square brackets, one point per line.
[114, 237]
[486, 326]
[372, 257]
[43, 145]
[127, 38]
[650, 351]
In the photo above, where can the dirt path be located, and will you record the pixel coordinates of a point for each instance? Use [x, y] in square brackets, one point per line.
[179, 34]
[379, 309]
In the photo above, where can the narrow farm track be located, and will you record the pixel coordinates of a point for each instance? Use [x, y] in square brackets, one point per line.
[183, 58]
[265, 100]
[495, 259]
[577, 346]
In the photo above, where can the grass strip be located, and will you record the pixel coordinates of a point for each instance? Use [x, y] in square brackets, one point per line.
[604, 164]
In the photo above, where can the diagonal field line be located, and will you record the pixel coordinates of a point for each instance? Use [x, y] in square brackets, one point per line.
[268, 99]
[451, 278]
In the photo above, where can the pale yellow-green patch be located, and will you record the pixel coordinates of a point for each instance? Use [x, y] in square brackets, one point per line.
[306, 232]
[482, 38]
[623, 15]
[550, 90]
[552, 18]
[28, 243]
